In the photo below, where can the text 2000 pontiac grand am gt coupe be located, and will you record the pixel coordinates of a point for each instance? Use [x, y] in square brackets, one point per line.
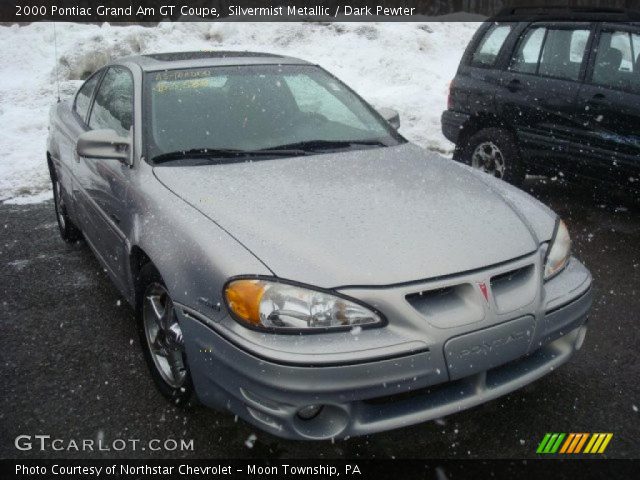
[293, 258]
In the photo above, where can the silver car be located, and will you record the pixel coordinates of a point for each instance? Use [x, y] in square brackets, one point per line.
[292, 258]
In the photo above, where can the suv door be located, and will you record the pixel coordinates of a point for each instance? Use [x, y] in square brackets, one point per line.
[478, 74]
[539, 88]
[104, 184]
[609, 106]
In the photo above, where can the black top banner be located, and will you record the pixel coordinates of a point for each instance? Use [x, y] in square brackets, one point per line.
[141, 11]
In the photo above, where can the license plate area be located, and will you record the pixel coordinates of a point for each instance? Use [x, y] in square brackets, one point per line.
[488, 348]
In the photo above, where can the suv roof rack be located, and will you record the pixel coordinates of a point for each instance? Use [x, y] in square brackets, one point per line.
[563, 12]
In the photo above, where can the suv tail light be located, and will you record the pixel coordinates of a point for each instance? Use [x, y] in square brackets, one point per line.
[450, 96]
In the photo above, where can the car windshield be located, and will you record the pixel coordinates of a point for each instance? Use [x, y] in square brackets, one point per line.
[257, 107]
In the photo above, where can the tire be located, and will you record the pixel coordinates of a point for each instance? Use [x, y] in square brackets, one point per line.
[68, 230]
[494, 151]
[171, 375]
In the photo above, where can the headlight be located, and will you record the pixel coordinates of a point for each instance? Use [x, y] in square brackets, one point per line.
[269, 304]
[559, 251]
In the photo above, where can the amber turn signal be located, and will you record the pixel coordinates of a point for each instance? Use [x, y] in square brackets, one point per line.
[243, 298]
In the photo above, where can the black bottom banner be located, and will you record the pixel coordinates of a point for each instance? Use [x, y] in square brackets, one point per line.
[353, 468]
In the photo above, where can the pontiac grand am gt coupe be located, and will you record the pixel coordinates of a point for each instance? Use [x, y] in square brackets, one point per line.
[294, 259]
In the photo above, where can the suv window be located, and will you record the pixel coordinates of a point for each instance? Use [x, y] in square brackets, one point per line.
[527, 54]
[551, 52]
[617, 63]
[489, 48]
[113, 106]
[83, 97]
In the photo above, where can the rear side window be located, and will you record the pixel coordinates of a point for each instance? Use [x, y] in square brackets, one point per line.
[527, 55]
[113, 106]
[83, 98]
[617, 63]
[557, 53]
[487, 52]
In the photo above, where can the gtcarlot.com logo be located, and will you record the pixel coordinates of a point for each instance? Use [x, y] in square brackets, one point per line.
[574, 443]
[45, 443]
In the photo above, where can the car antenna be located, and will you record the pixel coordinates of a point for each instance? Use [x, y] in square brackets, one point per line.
[55, 53]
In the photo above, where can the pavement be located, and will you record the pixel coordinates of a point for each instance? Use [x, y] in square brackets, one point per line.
[72, 368]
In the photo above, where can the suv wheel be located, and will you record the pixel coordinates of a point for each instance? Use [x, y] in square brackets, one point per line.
[494, 151]
[161, 338]
[68, 231]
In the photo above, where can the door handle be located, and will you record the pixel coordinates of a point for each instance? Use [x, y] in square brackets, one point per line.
[514, 85]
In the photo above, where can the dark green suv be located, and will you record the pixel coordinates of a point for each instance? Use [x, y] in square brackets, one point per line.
[550, 93]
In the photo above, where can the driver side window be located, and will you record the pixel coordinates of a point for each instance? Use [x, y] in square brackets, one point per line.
[113, 105]
[83, 97]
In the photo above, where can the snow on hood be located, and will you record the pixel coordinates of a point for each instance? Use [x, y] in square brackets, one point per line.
[368, 217]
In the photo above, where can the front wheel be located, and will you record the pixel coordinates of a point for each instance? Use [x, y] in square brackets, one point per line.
[68, 231]
[161, 338]
[494, 151]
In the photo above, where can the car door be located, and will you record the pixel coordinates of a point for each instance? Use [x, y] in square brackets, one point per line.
[103, 183]
[609, 104]
[539, 88]
[70, 128]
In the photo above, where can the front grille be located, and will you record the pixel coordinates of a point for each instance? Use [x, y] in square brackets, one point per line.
[448, 307]
[514, 289]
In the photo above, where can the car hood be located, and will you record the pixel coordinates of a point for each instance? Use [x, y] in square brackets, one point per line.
[367, 217]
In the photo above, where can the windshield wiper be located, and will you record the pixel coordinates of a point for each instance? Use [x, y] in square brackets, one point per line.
[224, 153]
[313, 145]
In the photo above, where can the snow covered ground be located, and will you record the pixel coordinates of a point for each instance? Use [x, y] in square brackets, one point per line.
[406, 66]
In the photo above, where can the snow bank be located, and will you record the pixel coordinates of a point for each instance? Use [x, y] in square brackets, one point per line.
[406, 66]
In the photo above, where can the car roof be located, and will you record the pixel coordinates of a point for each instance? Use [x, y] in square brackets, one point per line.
[206, 58]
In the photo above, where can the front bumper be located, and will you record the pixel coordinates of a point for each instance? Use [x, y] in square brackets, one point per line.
[456, 371]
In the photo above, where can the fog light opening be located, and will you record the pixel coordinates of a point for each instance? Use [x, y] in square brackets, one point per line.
[309, 412]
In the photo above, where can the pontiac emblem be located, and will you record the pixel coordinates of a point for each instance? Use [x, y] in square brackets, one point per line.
[484, 290]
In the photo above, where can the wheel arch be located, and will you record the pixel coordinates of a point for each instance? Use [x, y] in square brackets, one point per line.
[138, 258]
[477, 122]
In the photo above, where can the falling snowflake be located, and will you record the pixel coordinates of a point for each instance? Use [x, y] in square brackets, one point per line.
[250, 442]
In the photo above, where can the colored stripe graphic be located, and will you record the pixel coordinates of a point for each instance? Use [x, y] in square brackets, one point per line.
[605, 442]
[556, 446]
[550, 443]
[573, 443]
[583, 439]
[567, 442]
[543, 443]
[598, 443]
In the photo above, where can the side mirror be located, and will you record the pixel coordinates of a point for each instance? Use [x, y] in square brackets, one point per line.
[391, 116]
[104, 144]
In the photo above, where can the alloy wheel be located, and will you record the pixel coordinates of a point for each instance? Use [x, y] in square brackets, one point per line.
[164, 336]
[489, 158]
